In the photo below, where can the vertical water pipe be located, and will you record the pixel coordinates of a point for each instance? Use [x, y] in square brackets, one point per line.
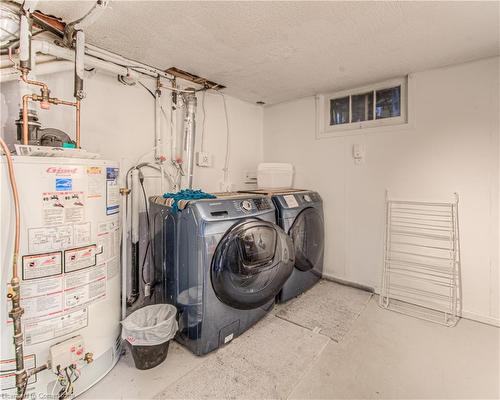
[190, 135]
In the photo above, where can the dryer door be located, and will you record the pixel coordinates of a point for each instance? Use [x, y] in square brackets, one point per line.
[307, 233]
[251, 264]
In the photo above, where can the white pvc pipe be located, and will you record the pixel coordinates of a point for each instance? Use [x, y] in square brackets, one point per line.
[110, 56]
[79, 54]
[124, 256]
[178, 125]
[42, 58]
[24, 40]
[89, 61]
[92, 16]
[158, 144]
[41, 69]
[30, 5]
[190, 136]
[134, 209]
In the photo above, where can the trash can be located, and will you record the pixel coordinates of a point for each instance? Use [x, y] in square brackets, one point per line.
[149, 331]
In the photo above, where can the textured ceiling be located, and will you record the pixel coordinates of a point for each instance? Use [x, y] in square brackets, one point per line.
[278, 51]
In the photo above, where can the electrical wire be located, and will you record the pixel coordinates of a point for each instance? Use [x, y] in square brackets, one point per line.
[149, 249]
[145, 87]
[228, 144]
[173, 180]
[148, 246]
[15, 195]
[65, 382]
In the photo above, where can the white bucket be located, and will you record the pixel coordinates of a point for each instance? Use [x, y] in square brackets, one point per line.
[275, 176]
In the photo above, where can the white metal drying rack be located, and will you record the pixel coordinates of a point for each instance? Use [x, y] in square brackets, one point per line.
[421, 274]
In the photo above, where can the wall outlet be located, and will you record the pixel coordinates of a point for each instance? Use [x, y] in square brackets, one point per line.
[203, 159]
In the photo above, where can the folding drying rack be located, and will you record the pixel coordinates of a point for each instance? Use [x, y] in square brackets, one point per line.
[421, 275]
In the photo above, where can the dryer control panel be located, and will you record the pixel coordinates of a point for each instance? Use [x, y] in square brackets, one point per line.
[299, 199]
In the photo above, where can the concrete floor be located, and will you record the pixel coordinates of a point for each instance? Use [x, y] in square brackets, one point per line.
[385, 355]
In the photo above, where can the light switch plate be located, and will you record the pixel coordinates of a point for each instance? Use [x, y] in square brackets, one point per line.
[358, 153]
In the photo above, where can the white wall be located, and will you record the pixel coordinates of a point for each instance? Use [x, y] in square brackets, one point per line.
[453, 146]
[118, 122]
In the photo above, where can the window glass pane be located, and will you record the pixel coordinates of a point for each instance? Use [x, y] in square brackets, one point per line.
[388, 103]
[362, 107]
[339, 111]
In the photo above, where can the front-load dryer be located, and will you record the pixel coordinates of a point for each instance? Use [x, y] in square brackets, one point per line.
[300, 214]
[221, 262]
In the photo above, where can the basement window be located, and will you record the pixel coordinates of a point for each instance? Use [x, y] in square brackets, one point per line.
[381, 104]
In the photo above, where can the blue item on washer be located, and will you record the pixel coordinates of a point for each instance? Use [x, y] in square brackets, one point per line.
[186, 194]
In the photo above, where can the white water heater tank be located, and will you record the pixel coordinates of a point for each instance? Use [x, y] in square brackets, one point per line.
[69, 268]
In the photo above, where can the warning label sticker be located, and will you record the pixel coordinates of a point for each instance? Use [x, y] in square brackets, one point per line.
[47, 329]
[83, 288]
[42, 298]
[50, 238]
[291, 201]
[108, 239]
[8, 371]
[95, 182]
[47, 301]
[80, 258]
[42, 265]
[82, 233]
[63, 208]
[112, 191]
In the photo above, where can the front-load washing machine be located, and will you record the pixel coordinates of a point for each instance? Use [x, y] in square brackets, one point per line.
[221, 262]
[300, 214]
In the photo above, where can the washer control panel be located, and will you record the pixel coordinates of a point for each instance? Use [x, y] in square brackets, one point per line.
[223, 208]
[262, 204]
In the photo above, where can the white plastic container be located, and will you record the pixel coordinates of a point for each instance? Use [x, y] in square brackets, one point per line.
[274, 176]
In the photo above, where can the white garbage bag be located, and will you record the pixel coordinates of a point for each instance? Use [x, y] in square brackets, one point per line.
[150, 325]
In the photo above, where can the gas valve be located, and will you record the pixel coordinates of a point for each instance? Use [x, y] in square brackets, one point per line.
[89, 357]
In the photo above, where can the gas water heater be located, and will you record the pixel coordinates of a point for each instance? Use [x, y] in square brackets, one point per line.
[69, 270]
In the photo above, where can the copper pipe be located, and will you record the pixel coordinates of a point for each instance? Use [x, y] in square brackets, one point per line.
[75, 104]
[24, 78]
[59, 102]
[53, 100]
[78, 124]
[25, 138]
[15, 195]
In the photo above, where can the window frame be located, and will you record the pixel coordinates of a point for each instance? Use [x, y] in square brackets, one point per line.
[324, 129]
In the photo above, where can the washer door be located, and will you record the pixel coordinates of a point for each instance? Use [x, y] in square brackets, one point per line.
[307, 233]
[251, 264]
